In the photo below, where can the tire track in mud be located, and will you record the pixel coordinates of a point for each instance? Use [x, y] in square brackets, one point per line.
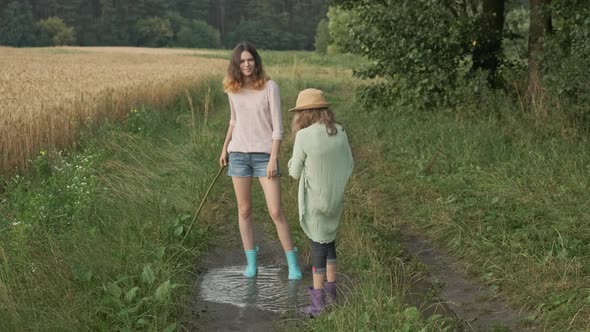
[476, 306]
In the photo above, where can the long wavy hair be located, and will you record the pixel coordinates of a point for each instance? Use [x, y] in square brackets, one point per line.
[306, 118]
[234, 80]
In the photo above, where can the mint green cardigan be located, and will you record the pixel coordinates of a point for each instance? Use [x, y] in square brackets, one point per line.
[323, 165]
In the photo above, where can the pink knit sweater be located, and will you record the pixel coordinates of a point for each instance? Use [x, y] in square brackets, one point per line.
[256, 118]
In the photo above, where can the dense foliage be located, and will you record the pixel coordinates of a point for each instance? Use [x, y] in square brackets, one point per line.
[270, 24]
[17, 26]
[417, 47]
[430, 53]
[567, 57]
[54, 31]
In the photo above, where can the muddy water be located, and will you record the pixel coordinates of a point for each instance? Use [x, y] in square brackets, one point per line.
[474, 304]
[222, 299]
[270, 290]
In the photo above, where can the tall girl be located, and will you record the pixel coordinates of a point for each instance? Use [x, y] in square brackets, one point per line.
[251, 149]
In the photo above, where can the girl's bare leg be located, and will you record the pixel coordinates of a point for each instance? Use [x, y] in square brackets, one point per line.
[330, 272]
[272, 194]
[243, 190]
[318, 280]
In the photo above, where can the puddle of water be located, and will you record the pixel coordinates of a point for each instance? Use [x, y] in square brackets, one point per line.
[270, 290]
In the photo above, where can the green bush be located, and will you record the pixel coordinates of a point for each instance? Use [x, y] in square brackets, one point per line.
[567, 59]
[415, 49]
[340, 23]
[322, 37]
[67, 187]
[54, 31]
[154, 32]
[197, 34]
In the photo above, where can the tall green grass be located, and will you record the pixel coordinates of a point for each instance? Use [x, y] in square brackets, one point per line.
[91, 239]
[507, 196]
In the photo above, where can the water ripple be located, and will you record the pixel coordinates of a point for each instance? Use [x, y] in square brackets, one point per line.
[270, 290]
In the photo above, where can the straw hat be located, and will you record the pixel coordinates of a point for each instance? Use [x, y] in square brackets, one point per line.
[310, 98]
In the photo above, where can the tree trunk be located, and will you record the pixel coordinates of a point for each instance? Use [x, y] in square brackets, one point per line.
[488, 48]
[536, 34]
[548, 22]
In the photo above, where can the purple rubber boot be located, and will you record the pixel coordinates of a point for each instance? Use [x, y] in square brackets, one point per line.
[331, 293]
[318, 303]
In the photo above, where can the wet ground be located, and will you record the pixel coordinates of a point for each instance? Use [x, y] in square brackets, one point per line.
[476, 306]
[223, 300]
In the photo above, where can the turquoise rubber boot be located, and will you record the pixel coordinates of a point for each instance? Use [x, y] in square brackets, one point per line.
[251, 269]
[294, 271]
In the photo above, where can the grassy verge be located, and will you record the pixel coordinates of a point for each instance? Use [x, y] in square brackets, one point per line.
[91, 240]
[507, 196]
[510, 202]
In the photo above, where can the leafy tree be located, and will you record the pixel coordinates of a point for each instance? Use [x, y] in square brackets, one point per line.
[264, 27]
[277, 24]
[306, 14]
[192, 9]
[536, 35]
[415, 46]
[17, 26]
[106, 24]
[154, 32]
[340, 23]
[487, 46]
[226, 15]
[55, 32]
[152, 8]
[69, 11]
[198, 34]
[566, 57]
[87, 26]
[322, 37]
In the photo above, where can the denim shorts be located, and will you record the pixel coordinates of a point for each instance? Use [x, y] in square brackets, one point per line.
[248, 164]
[322, 254]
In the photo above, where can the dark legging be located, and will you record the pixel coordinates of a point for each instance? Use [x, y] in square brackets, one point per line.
[322, 254]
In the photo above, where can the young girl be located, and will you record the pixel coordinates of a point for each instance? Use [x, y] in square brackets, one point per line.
[253, 141]
[322, 161]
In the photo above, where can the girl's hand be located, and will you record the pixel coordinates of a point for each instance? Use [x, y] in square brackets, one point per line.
[271, 168]
[223, 159]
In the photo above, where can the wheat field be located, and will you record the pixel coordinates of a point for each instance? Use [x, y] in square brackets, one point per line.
[48, 94]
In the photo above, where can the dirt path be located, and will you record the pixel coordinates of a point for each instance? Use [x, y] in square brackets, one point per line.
[475, 305]
[223, 300]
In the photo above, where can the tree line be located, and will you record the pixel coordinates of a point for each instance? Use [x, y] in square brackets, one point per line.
[270, 24]
[429, 53]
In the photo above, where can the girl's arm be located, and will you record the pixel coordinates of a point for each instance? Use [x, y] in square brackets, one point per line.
[223, 157]
[274, 103]
[232, 121]
[298, 159]
[272, 167]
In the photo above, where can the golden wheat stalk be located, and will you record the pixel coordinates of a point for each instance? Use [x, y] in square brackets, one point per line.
[48, 94]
